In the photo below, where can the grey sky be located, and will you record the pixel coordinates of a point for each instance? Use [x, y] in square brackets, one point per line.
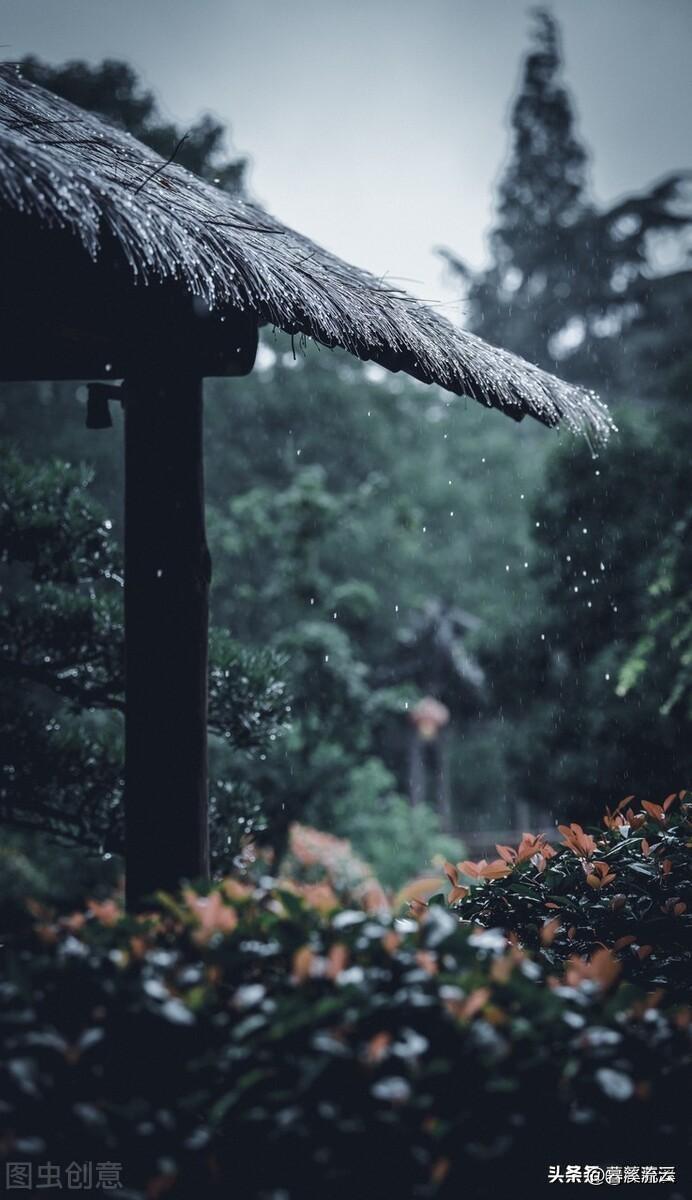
[378, 126]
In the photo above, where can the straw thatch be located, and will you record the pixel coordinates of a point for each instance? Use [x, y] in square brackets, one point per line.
[66, 167]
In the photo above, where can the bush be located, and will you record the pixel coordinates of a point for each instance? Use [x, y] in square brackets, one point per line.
[260, 1041]
[627, 886]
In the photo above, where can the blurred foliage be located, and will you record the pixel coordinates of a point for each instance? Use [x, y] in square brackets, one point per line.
[627, 887]
[598, 530]
[668, 625]
[265, 1033]
[380, 539]
[593, 675]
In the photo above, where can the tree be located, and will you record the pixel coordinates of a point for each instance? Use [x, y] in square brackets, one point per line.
[571, 286]
[667, 627]
[61, 654]
[584, 725]
[581, 287]
[113, 90]
[527, 294]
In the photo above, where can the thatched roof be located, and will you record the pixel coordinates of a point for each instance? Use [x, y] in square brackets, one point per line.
[65, 167]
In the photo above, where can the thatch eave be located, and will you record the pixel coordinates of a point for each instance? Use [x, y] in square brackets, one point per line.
[64, 167]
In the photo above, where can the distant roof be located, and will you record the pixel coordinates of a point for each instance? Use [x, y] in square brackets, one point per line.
[66, 167]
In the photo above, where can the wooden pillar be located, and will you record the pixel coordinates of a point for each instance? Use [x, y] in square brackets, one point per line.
[167, 573]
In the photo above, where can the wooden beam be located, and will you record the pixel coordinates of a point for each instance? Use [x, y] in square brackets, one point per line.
[167, 573]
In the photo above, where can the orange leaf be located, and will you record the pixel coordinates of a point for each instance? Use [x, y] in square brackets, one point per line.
[105, 911]
[302, 963]
[474, 1003]
[440, 1170]
[336, 960]
[471, 869]
[377, 1047]
[419, 889]
[497, 869]
[451, 873]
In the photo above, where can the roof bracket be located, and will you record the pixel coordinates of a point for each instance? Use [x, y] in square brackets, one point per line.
[98, 414]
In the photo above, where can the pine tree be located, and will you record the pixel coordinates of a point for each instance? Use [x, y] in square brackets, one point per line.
[526, 296]
[570, 286]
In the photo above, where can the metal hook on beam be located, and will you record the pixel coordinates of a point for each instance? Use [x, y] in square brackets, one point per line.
[98, 415]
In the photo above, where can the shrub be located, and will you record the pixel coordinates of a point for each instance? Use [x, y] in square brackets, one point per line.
[627, 886]
[262, 1042]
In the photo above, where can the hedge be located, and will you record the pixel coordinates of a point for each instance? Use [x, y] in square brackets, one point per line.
[626, 886]
[261, 1042]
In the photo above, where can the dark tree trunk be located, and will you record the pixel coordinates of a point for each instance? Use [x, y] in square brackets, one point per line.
[167, 572]
[416, 769]
[440, 751]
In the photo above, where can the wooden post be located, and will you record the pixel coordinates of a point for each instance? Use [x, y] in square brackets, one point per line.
[167, 573]
[416, 769]
[440, 751]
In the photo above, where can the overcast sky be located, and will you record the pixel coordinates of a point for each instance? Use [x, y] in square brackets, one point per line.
[378, 127]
